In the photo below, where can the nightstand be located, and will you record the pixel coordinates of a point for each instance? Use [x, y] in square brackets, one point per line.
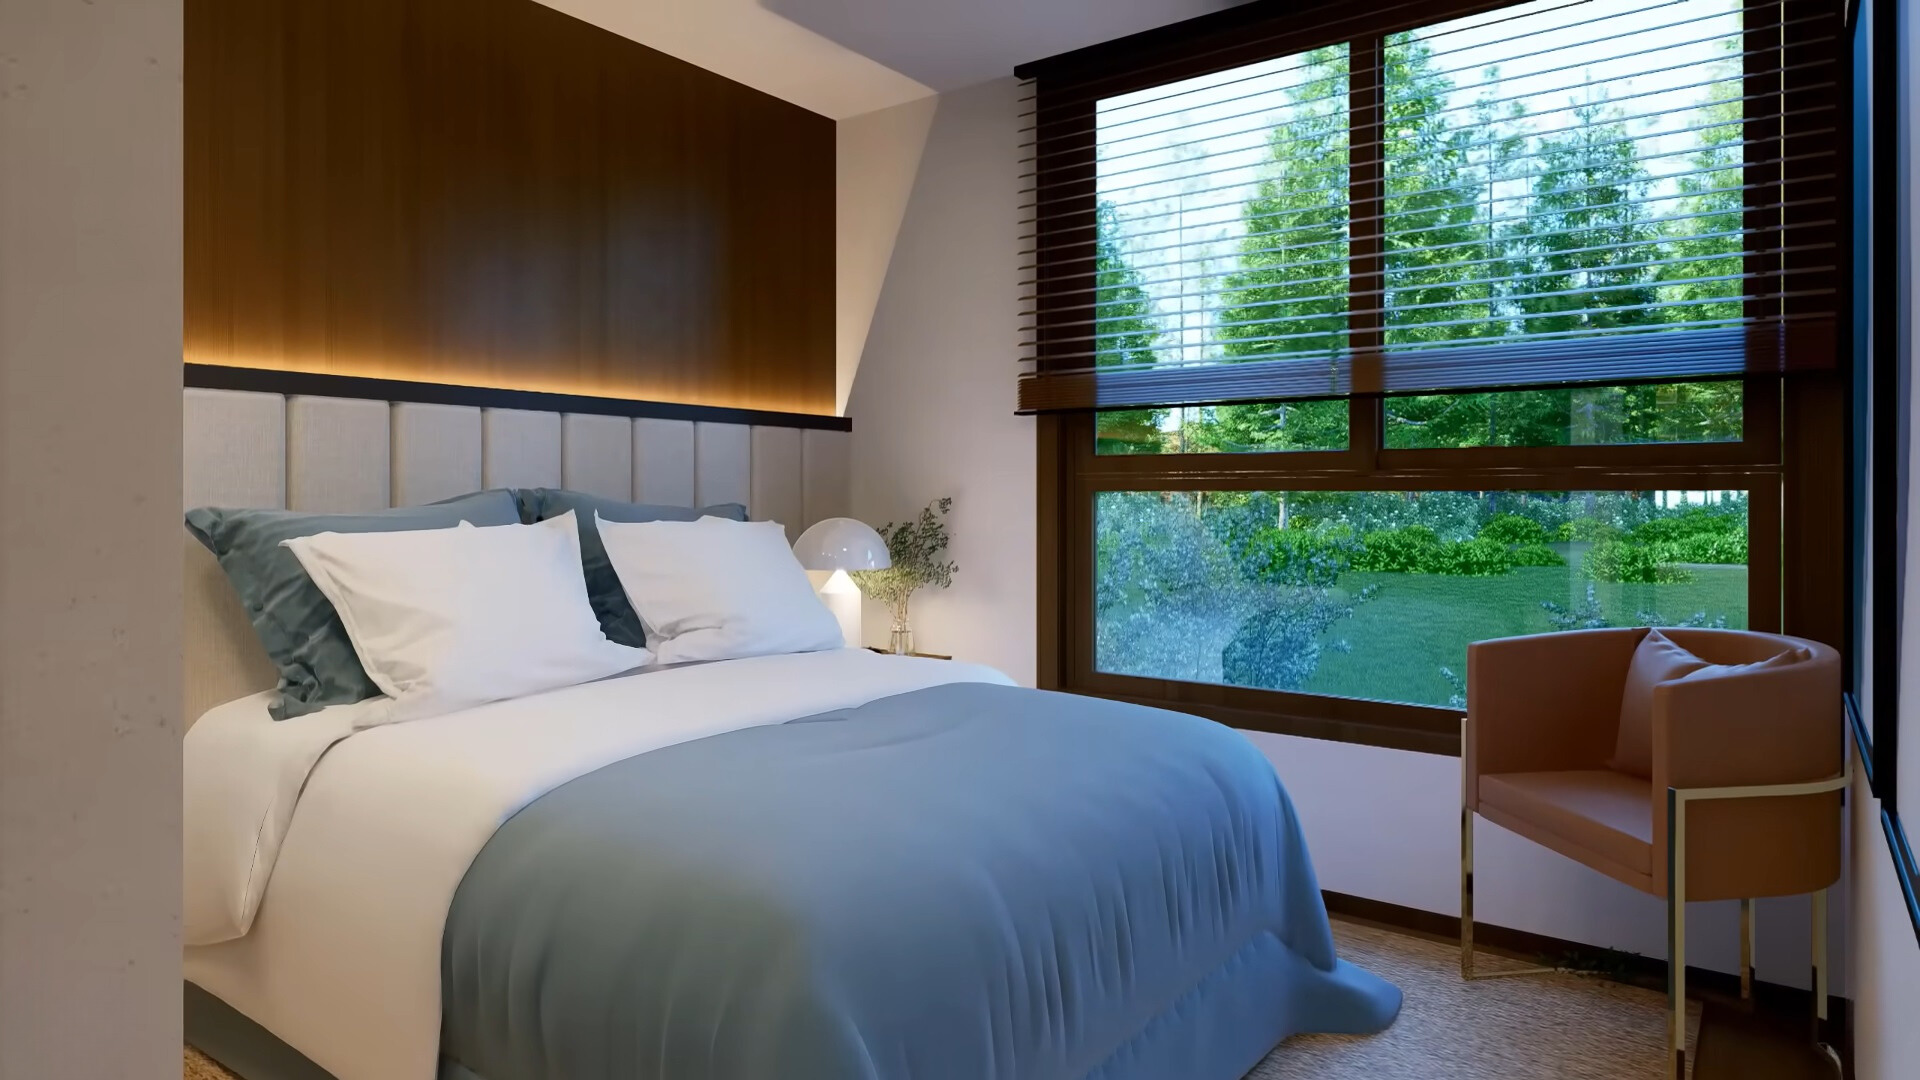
[922, 655]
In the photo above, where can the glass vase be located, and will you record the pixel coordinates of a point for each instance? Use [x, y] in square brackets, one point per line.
[900, 640]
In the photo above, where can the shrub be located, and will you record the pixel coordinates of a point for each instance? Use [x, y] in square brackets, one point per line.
[1589, 616]
[1692, 522]
[1589, 530]
[1513, 530]
[1299, 556]
[1472, 558]
[1537, 555]
[1279, 648]
[1728, 548]
[1586, 615]
[1450, 514]
[1149, 548]
[1406, 550]
[1624, 561]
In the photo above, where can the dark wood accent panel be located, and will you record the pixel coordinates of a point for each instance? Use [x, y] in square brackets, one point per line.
[492, 193]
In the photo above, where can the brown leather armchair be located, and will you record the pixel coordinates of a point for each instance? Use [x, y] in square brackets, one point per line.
[1743, 796]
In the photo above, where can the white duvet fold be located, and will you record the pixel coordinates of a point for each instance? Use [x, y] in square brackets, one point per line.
[322, 852]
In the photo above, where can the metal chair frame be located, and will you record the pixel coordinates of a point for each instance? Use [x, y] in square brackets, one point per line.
[1678, 800]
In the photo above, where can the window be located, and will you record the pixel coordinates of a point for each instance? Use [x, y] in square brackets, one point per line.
[1705, 412]
[1357, 337]
[1375, 595]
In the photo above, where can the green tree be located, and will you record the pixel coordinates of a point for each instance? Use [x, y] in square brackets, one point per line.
[1126, 333]
[1288, 298]
[1704, 239]
[1585, 243]
[1443, 253]
[1440, 254]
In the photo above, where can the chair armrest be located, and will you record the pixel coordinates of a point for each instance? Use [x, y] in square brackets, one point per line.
[1777, 726]
[1545, 703]
[1745, 730]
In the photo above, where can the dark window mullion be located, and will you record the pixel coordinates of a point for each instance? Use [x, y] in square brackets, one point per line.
[1366, 242]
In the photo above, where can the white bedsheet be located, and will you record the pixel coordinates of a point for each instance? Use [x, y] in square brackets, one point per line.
[342, 960]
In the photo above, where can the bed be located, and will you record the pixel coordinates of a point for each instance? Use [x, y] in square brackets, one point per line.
[820, 864]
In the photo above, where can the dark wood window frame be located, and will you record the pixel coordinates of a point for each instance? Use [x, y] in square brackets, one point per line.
[1791, 457]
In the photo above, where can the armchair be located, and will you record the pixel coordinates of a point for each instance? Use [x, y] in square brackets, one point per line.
[1741, 800]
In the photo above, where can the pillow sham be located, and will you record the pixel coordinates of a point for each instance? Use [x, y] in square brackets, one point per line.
[617, 617]
[298, 627]
[447, 619]
[715, 589]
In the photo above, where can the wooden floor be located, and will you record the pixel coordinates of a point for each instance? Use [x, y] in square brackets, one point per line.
[1753, 1043]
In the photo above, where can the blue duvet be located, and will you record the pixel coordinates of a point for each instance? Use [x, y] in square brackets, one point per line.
[970, 882]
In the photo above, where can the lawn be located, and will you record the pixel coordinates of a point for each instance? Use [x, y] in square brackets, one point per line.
[1417, 624]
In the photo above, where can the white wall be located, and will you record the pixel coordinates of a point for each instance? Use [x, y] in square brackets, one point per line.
[933, 415]
[933, 402]
[1885, 955]
[90, 574]
[1384, 824]
[876, 159]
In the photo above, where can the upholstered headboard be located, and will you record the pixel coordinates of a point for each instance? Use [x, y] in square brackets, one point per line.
[335, 454]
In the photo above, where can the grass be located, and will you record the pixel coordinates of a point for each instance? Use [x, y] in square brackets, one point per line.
[1416, 624]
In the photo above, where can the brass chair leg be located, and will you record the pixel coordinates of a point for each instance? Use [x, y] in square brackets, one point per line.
[1676, 935]
[1466, 861]
[1746, 950]
[1820, 983]
[1466, 883]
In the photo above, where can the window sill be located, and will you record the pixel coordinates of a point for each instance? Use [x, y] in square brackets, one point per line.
[1423, 730]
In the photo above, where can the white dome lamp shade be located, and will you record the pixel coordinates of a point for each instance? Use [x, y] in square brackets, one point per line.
[833, 547]
[842, 544]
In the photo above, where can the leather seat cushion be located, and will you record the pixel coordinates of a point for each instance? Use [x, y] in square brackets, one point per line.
[1598, 810]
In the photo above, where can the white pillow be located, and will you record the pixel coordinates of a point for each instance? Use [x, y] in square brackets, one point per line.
[446, 619]
[715, 589]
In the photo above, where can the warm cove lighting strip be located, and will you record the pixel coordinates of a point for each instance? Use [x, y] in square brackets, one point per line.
[324, 384]
[533, 383]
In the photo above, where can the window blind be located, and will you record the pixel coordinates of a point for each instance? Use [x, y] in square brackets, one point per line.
[1554, 192]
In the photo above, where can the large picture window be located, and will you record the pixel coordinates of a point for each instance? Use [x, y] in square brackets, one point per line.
[1375, 594]
[1358, 337]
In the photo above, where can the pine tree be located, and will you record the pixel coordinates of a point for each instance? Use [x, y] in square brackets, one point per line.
[1443, 254]
[1438, 248]
[1126, 333]
[1288, 298]
[1705, 238]
[1585, 242]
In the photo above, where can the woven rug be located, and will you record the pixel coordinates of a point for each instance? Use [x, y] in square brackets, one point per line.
[1536, 1027]
[1548, 1027]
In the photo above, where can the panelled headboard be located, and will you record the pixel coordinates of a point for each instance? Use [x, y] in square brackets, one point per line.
[257, 448]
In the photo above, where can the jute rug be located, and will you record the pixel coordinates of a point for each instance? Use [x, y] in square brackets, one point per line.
[1536, 1027]
[1548, 1027]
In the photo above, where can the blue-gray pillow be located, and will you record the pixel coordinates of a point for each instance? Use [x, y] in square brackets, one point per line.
[618, 620]
[296, 623]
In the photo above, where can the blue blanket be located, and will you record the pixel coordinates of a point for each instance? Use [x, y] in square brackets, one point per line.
[970, 882]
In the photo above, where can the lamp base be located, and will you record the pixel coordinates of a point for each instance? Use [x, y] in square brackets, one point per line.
[842, 597]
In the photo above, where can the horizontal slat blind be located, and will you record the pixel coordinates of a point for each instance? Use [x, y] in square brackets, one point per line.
[1554, 192]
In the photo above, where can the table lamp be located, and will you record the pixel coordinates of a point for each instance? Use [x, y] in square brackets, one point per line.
[833, 547]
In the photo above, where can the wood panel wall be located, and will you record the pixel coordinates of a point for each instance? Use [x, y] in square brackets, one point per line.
[492, 193]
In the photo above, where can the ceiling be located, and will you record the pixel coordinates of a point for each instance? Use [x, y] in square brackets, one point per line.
[843, 58]
[749, 44]
[948, 44]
